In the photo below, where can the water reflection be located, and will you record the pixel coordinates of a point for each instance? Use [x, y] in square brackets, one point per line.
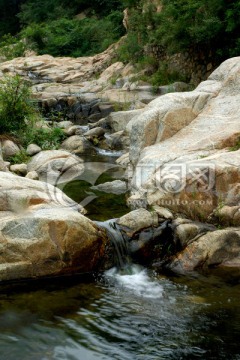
[192, 319]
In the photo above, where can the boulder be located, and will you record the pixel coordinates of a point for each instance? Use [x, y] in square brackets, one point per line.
[32, 175]
[20, 169]
[119, 120]
[33, 149]
[137, 220]
[77, 144]
[73, 130]
[216, 248]
[227, 215]
[9, 149]
[97, 132]
[181, 147]
[64, 124]
[56, 166]
[41, 236]
[118, 140]
[116, 187]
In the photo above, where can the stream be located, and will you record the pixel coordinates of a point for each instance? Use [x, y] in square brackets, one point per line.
[121, 316]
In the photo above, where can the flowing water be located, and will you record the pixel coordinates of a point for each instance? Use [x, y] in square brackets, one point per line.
[121, 316]
[127, 313]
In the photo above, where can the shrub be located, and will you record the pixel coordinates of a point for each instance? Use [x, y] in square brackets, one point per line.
[11, 47]
[16, 105]
[20, 157]
[47, 139]
[73, 37]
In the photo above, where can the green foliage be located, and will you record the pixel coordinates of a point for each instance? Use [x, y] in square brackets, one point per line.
[47, 139]
[73, 37]
[11, 47]
[165, 76]
[16, 106]
[130, 50]
[20, 158]
[200, 25]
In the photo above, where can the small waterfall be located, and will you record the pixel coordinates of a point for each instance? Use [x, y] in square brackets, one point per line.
[126, 275]
[120, 244]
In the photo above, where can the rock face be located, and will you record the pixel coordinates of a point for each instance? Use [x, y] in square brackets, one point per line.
[217, 248]
[40, 236]
[180, 147]
[184, 157]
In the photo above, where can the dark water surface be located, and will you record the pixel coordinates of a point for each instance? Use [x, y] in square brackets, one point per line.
[135, 316]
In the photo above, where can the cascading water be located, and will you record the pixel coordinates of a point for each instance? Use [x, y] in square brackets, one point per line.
[125, 274]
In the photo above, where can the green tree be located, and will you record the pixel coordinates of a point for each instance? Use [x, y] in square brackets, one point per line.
[16, 105]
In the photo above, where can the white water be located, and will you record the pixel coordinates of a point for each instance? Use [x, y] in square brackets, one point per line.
[109, 152]
[135, 279]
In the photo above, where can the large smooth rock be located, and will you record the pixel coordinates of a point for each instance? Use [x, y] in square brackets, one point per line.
[137, 220]
[56, 166]
[9, 148]
[77, 144]
[33, 149]
[42, 233]
[188, 168]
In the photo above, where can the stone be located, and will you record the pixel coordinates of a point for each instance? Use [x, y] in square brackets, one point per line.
[118, 141]
[33, 175]
[112, 71]
[187, 231]
[116, 187]
[77, 144]
[33, 149]
[163, 212]
[9, 149]
[64, 124]
[97, 132]
[180, 144]
[73, 130]
[214, 249]
[20, 169]
[228, 215]
[119, 120]
[56, 166]
[105, 109]
[137, 220]
[40, 236]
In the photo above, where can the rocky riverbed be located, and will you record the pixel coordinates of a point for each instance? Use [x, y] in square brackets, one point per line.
[181, 162]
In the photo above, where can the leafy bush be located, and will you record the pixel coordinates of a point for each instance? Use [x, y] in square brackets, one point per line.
[16, 105]
[11, 47]
[73, 37]
[47, 139]
[20, 157]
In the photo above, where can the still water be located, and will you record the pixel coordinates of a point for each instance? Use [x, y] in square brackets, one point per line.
[133, 315]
